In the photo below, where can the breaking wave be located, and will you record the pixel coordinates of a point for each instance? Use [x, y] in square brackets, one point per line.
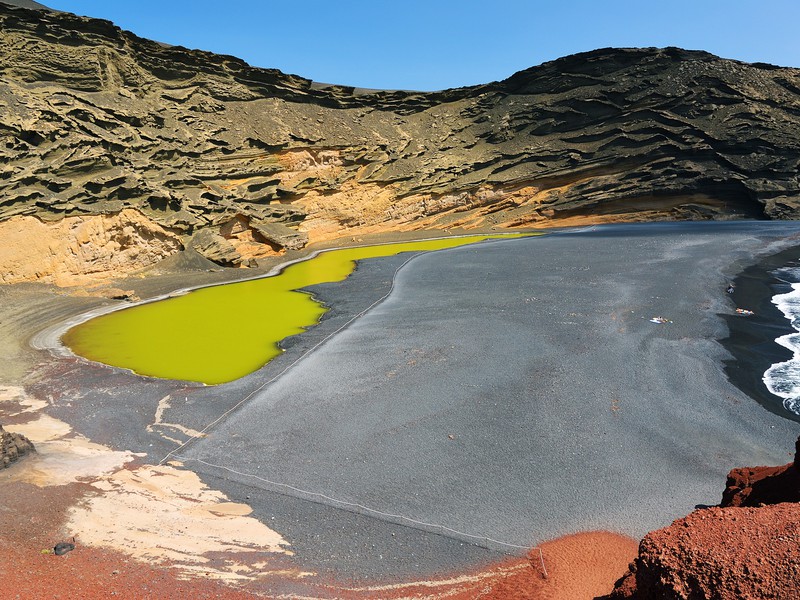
[783, 379]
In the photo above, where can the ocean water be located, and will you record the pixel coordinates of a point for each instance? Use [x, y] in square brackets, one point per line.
[783, 379]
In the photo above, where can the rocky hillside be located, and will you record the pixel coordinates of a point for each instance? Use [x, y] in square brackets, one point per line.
[239, 162]
[747, 548]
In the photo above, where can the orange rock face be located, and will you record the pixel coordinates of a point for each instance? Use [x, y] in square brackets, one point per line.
[719, 553]
[748, 548]
[753, 486]
[83, 249]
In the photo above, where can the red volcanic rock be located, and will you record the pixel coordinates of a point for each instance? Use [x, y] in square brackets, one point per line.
[719, 554]
[752, 486]
[746, 549]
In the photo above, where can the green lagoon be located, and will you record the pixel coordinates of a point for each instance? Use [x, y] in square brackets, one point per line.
[218, 334]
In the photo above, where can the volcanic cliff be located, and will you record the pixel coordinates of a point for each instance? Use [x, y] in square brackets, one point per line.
[180, 148]
[746, 548]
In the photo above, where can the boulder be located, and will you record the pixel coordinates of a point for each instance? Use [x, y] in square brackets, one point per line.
[13, 446]
[279, 235]
[216, 248]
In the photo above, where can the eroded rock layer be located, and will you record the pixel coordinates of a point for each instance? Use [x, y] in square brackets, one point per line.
[96, 120]
[81, 249]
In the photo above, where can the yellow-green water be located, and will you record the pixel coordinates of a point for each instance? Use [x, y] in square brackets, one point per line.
[218, 334]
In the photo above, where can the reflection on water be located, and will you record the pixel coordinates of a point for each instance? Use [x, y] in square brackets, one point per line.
[218, 334]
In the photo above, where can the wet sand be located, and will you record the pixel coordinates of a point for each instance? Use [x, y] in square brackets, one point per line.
[751, 341]
[514, 393]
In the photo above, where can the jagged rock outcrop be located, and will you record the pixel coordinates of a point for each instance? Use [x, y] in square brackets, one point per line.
[13, 446]
[745, 549]
[96, 120]
[755, 486]
[719, 554]
[216, 248]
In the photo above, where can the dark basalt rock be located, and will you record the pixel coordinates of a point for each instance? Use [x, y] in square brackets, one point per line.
[96, 119]
[13, 446]
[62, 548]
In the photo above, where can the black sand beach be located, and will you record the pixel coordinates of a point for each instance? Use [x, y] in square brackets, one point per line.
[752, 339]
[515, 392]
[502, 395]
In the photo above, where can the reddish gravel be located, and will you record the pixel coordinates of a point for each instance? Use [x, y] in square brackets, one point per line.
[32, 520]
[579, 567]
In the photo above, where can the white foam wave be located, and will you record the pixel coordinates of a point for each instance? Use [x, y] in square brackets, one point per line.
[783, 379]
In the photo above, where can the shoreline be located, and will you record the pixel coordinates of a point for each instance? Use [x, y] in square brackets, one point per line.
[316, 532]
[50, 338]
[708, 399]
[751, 340]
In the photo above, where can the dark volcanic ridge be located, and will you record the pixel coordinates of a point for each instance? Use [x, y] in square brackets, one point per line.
[27, 4]
[97, 120]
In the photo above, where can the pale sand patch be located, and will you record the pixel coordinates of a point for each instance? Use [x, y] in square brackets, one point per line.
[59, 460]
[24, 404]
[163, 405]
[161, 513]
[64, 461]
[43, 429]
[457, 582]
[153, 513]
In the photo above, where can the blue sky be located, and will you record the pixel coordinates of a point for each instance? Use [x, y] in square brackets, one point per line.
[428, 45]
